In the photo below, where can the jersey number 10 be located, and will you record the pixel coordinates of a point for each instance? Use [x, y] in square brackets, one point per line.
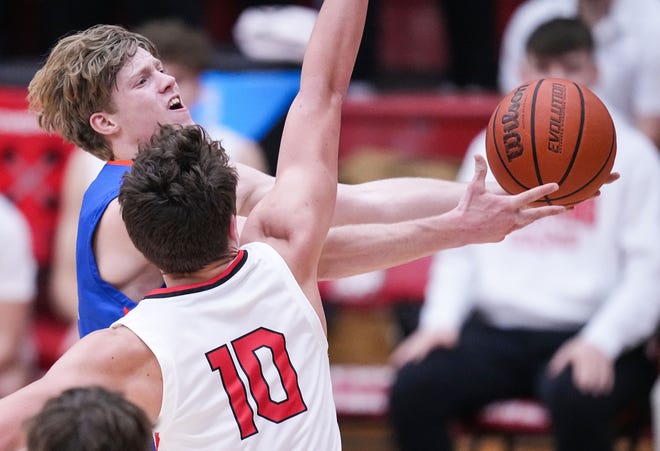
[245, 349]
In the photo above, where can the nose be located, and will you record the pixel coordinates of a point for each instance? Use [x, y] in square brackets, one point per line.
[167, 81]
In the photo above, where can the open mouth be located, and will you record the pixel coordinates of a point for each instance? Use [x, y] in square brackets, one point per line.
[175, 104]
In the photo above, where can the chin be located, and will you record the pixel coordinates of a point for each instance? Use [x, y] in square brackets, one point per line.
[179, 117]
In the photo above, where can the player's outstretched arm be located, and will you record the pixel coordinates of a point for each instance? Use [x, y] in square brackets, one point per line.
[113, 358]
[480, 217]
[295, 215]
[386, 200]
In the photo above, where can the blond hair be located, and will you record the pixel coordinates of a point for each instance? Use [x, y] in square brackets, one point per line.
[77, 80]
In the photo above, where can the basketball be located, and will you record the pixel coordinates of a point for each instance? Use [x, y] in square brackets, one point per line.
[551, 130]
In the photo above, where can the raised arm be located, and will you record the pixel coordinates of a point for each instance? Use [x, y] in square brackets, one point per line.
[295, 215]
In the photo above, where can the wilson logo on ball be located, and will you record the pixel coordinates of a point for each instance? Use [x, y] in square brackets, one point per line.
[512, 140]
[551, 130]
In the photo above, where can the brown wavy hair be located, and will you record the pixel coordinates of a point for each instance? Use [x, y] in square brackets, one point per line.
[77, 80]
[178, 199]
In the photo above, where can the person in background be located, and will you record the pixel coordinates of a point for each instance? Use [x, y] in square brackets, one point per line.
[18, 287]
[559, 311]
[89, 418]
[628, 65]
[186, 52]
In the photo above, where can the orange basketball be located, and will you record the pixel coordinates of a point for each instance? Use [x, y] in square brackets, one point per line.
[551, 130]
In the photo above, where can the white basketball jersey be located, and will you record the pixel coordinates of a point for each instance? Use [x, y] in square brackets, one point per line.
[244, 361]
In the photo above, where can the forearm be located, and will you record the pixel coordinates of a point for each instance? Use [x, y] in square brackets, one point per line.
[360, 248]
[479, 217]
[395, 199]
[15, 410]
[63, 285]
[13, 330]
[333, 46]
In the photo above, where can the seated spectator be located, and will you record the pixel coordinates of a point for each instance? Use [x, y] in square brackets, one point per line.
[18, 286]
[558, 311]
[628, 64]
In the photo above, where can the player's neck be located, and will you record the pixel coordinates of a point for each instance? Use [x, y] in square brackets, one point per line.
[124, 151]
[207, 273]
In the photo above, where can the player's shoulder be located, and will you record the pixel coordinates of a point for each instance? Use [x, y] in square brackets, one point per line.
[116, 346]
[103, 348]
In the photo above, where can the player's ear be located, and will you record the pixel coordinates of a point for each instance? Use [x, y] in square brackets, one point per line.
[102, 123]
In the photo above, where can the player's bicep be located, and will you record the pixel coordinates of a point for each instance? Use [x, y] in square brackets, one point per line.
[311, 132]
[115, 359]
[293, 223]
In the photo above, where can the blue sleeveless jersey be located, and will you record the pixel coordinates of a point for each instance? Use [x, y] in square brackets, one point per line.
[99, 303]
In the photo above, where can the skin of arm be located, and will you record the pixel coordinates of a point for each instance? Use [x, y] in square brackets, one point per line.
[63, 286]
[479, 217]
[294, 217]
[119, 262]
[252, 155]
[387, 200]
[14, 320]
[113, 358]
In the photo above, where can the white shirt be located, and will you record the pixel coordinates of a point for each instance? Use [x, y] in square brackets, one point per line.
[597, 265]
[626, 52]
[18, 267]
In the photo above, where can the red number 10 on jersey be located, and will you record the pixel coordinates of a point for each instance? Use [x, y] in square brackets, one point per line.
[245, 348]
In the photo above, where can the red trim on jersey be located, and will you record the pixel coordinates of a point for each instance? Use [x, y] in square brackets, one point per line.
[126, 310]
[120, 162]
[227, 271]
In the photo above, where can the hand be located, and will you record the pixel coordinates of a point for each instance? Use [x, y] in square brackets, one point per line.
[488, 216]
[614, 176]
[593, 371]
[420, 343]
